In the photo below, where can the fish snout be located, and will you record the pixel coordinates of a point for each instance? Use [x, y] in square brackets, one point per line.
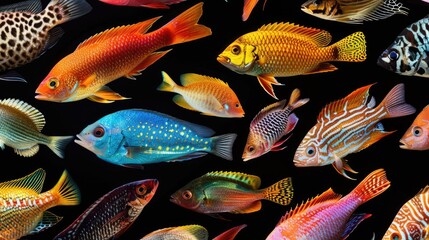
[403, 144]
[223, 60]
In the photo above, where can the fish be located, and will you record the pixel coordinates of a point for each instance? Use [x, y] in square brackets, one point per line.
[287, 49]
[412, 220]
[417, 135]
[352, 11]
[270, 125]
[156, 4]
[187, 232]
[208, 95]
[231, 233]
[407, 54]
[27, 30]
[123, 51]
[20, 128]
[112, 214]
[329, 215]
[134, 137]
[248, 7]
[349, 125]
[218, 192]
[23, 205]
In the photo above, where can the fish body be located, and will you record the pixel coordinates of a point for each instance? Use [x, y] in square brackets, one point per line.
[230, 192]
[349, 125]
[157, 4]
[329, 215]
[412, 220]
[21, 126]
[417, 135]
[408, 54]
[114, 53]
[23, 207]
[137, 136]
[187, 232]
[270, 125]
[210, 96]
[286, 49]
[352, 11]
[112, 214]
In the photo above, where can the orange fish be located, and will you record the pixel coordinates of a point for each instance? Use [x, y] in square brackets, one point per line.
[114, 53]
[417, 135]
[248, 8]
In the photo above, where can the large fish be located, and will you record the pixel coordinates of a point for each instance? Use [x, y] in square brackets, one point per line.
[412, 220]
[329, 215]
[157, 4]
[137, 136]
[23, 207]
[27, 30]
[118, 52]
[417, 135]
[270, 125]
[408, 54]
[112, 214]
[349, 125]
[286, 49]
[21, 126]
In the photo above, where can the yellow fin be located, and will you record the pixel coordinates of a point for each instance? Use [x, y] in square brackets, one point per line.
[48, 220]
[190, 78]
[249, 180]
[351, 48]
[67, 190]
[322, 67]
[36, 117]
[179, 100]
[254, 207]
[149, 60]
[27, 152]
[267, 82]
[33, 181]
[106, 95]
[89, 80]
[167, 84]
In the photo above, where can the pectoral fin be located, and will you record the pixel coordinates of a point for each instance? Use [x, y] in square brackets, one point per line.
[340, 165]
[179, 100]
[278, 145]
[106, 95]
[89, 80]
[267, 81]
[149, 60]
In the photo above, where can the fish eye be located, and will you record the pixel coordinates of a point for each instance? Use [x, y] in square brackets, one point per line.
[141, 190]
[310, 151]
[394, 236]
[237, 105]
[250, 148]
[53, 83]
[417, 131]
[187, 195]
[393, 55]
[236, 49]
[98, 132]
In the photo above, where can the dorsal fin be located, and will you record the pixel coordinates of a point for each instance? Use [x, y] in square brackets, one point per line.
[36, 117]
[263, 113]
[33, 181]
[33, 6]
[189, 78]
[250, 180]
[423, 190]
[320, 37]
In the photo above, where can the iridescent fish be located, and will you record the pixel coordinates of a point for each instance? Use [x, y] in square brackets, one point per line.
[112, 214]
[353, 11]
[412, 220]
[270, 125]
[417, 135]
[156, 4]
[137, 136]
[220, 192]
[349, 125]
[187, 232]
[286, 49]
[329, 215]
[23, 207]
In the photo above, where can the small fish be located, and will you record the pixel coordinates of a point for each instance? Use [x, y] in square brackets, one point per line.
[187, 232]
[112, 214]
[21, 126]
[353, 11]
[417, 135]
[210, 96]
[230, 233]
[230, 192]
[137, 136]
[156, 4]
[270, 125]
[286, 49]
[408, 55]
[23, 208]
[118, 52]
[27, 30]
[329, 215]
[412, 220]
[349, 125]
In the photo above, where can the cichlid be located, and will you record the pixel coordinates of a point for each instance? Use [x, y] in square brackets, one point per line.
[156, 4]
[21, 126]
[417, 135]
[137, 136]
[112, 214]
[187, 232]
[286, 49]
[23, 207]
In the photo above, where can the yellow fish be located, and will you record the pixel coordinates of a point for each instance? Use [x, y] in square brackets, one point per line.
[287, 49]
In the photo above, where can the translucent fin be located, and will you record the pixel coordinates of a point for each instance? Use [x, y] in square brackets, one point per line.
[28, 152]
[71, 9]
[48, 220]
[67, 190]
[36, 117]
[58, 144]
[33, 181]
[222, 145]
[33, 6]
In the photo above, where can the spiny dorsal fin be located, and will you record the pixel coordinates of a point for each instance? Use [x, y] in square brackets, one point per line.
[33, 181]
[250, 180]
[36, 117]
[280, 105]
[190, 78]
[320, 37]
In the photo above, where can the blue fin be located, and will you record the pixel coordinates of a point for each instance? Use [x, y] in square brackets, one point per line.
[353, 222]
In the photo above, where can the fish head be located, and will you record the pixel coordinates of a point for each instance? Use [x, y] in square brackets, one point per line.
[319, 8]
[240, 57]
[417, 135]
[144, 191]
[255, 146]
[403, 59]
[57, 88]
[309, 153]
[191, 197]
[233, 107]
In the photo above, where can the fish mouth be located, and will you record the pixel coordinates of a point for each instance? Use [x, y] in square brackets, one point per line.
[223, 60]
[403, 145]
[174, 200]
[86, 144]
[41, 96]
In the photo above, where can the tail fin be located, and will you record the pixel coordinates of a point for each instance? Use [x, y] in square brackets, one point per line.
[395, 104]
[293, 100]
[280, 192]
[69, 9]
[351, 48]
[230, 233]
[373, 185]
[185, 27]
[247, 8]
[58, 144]
[67, 190]
[222, 145]
[168, 84]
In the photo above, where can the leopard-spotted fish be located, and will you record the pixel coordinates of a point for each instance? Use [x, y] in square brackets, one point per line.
[27, 30]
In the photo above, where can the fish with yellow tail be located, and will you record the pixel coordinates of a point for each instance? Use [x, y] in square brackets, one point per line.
[287, 49]
[23, 207]
[417, 135]
[349, 125]
[123, 51]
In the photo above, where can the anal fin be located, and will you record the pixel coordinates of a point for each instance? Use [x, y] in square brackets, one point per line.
[106, 95]
[27, 152]
[179, 100]
[48, 220]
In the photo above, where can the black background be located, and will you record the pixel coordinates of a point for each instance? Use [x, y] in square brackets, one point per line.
[406, 169]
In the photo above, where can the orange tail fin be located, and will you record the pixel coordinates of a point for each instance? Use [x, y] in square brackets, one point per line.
[373, 185]
[67, 190]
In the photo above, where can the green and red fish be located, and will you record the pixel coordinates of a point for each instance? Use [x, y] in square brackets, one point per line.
[417, 135]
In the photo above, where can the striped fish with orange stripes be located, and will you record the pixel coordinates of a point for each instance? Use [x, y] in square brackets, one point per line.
[349, 125]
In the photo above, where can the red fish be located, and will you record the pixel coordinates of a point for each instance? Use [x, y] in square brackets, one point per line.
[158, 4]
[417, 135]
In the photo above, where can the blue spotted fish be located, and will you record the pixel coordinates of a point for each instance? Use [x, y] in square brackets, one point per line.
[135, 137]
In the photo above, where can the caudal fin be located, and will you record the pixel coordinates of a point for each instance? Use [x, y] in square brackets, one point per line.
[351, 48]
[395, 104]
[280, 192]
[59, 143]
[68, 9]
[373, 185]
[185, 27]
[222, 145]
[67, 190]
[294, 101]
[167, 84]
